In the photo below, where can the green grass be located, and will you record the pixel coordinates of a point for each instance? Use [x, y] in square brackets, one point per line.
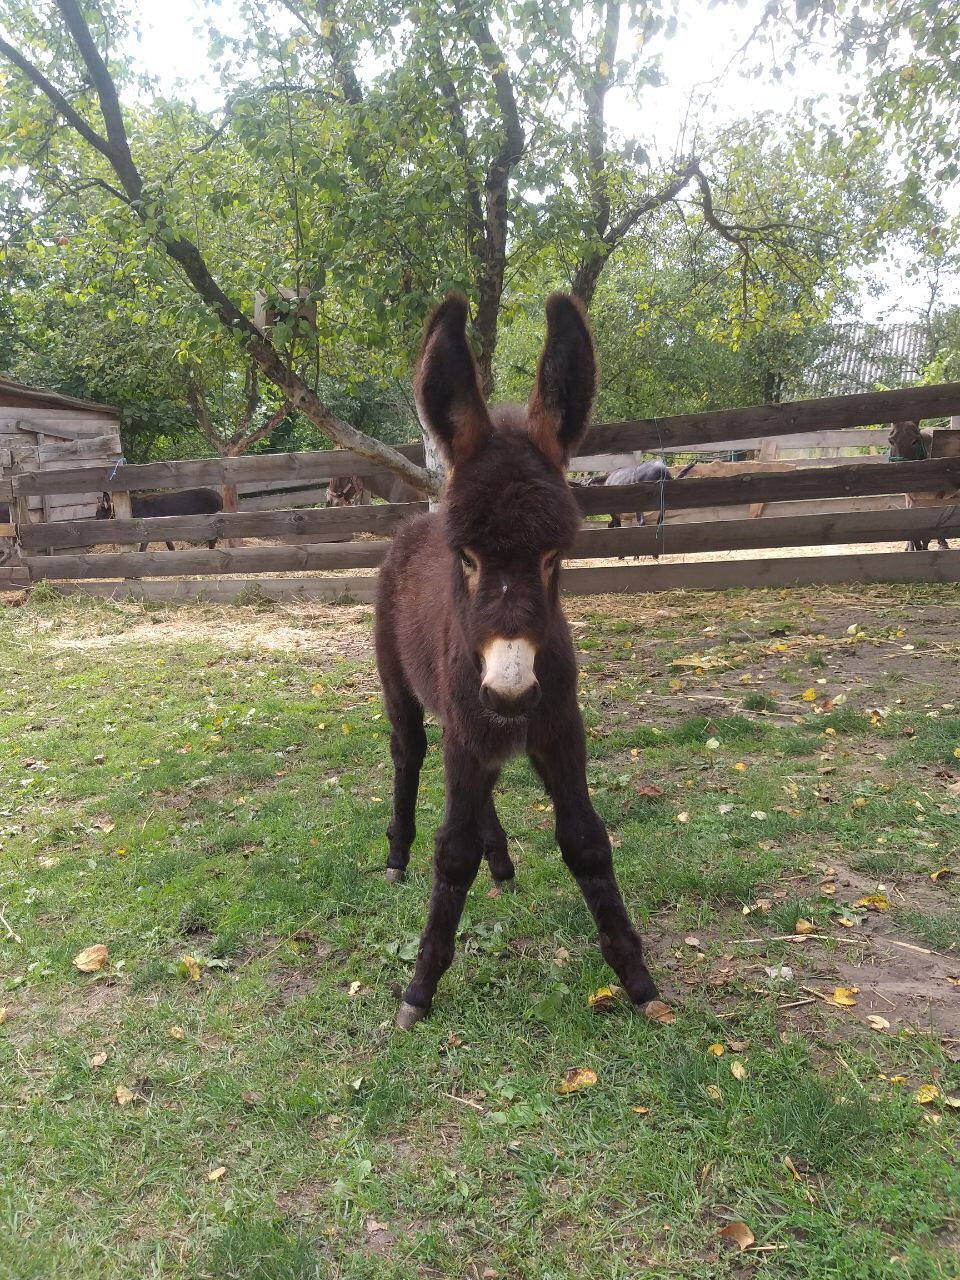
[204, 804]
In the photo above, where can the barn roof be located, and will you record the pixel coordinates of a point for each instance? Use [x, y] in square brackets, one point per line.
[861, 357]
[17, 395]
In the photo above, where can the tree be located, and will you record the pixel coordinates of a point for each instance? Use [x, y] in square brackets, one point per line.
[911, 52]
[90, 103]
[684, 321]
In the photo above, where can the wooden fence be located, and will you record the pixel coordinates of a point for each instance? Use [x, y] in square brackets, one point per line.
[818, 502]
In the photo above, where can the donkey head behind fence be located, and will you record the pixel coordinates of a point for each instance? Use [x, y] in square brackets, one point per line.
[469, 626]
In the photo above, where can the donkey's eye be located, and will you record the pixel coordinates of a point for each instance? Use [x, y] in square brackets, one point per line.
[467, 561]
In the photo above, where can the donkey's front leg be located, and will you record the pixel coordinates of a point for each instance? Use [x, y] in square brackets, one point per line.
[459, 850]
[585, 845]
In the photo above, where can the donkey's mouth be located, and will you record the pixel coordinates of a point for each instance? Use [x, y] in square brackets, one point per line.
[510, 708]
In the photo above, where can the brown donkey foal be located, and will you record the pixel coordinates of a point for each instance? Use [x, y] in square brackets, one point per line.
[469, 626]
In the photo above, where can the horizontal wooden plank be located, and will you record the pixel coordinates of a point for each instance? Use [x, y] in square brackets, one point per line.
[68, 424]
[345, 590]
[726, 535]
[778, 531]
[167, 564]
[327, 523]
[852, 438]
[100, 449]
[790, 418]
[320, 464]
[782, 571]
[849, 480]
[276, 486]
[725, 425]
[283, 499]
[928, 566]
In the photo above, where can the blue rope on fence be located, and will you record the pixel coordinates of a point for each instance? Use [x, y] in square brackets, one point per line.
[120, 462]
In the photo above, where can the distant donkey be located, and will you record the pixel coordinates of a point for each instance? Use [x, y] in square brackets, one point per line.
[349, 491]
[469, 626]
[345, 491]
[909, 444]
[180, 502]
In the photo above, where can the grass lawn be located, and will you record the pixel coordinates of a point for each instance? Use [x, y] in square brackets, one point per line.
[204, 791]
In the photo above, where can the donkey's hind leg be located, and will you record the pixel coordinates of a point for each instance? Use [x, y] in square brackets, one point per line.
[495, 846]
[408, 746]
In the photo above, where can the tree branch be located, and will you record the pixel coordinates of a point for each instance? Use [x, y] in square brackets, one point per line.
[56, 98]
[119, 153]
[496, 187]
[594, 98]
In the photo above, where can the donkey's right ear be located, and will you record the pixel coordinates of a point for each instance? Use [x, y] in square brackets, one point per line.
[446, 384]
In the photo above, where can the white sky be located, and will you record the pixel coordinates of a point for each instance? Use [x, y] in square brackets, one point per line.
[699, 63]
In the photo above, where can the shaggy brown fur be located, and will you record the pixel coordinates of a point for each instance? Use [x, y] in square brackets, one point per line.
[482, 570]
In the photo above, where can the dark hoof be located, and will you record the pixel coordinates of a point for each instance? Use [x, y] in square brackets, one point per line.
[408, 1015]
[506, 886]
[395, 875]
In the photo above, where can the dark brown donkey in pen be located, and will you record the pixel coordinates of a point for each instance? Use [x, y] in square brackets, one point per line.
[469, 626]
[178, 502]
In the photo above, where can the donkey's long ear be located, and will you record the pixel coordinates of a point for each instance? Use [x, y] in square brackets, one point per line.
[446, 386]
[559, 410]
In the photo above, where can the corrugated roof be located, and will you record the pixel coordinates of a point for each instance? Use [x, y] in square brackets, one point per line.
[863, 357]
[17, 395]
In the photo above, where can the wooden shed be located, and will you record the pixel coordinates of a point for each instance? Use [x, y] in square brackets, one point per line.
[45, 431]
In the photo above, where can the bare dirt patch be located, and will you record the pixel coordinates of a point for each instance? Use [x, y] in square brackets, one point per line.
[90, 1004]
[339, 631]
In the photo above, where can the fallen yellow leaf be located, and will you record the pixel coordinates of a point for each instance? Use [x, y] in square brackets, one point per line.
[642, 1111]
[803, 926]
[714, 1092]
[98, 1059]
[940, 874]
[192, 966]
[715, 1049]
[3, 1014]
[846, 922]
[927, 1093]
[177, 1033]
[90, 959]
[877, 1022]
[216, 1174]
[809, 695]
[874, 901]
[951, 1100]
[845, 995]
[577, 1078]
[123, 1095]
[603, 998]
[657, 1011]
[738, 1071]
[738, 1233]
[792, 1167]
[740, 767]
[898, 1079]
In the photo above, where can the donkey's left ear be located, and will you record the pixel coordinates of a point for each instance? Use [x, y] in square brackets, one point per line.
[558, 413]
[446, 385]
